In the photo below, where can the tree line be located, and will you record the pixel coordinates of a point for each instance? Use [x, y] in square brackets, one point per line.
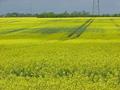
[53, 14]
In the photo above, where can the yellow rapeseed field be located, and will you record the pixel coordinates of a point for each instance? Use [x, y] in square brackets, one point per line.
[60, 53]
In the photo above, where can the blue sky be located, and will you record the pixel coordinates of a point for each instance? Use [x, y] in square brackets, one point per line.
[107, 6]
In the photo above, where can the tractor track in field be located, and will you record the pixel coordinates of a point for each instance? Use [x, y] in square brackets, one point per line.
[80, 30]
[9, 22]
[117, 25]
[12, 31]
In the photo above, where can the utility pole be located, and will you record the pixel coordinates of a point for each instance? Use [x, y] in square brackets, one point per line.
[96, 7]
[93, 8]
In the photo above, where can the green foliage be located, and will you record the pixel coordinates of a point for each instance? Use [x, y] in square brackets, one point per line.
[48, 14]
[58, 15]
